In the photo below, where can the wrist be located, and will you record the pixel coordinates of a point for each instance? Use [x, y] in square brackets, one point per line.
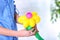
[18, 34]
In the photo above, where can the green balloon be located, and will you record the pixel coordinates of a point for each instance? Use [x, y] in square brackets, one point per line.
[36, 35]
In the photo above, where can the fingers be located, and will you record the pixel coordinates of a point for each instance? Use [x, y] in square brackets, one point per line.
[36, 28]
[32, 29]
[32, 32]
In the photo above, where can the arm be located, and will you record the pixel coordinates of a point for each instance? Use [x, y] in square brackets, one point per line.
[16, 16]
[21, 33]
[7, 32]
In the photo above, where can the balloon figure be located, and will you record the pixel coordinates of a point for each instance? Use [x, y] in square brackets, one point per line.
[29, 20]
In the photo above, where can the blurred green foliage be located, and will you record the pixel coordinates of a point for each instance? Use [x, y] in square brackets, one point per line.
[55, 11]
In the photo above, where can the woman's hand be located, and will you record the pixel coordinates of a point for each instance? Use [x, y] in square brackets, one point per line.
[25, 33]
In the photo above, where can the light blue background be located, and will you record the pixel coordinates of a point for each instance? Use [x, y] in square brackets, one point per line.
[46, 29]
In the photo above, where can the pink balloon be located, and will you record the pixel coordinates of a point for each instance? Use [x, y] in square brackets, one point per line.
[29, 15]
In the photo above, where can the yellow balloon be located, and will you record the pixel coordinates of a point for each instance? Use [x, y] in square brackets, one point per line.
[26, 23]
[21, 19]
[34, 13]
[29, 22]
[32, 22]
[37, 19]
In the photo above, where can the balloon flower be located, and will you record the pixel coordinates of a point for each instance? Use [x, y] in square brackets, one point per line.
[29, 20]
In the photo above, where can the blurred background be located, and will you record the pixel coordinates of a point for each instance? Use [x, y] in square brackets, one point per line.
[47, 29]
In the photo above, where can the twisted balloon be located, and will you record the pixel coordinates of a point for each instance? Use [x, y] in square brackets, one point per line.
[29, 19]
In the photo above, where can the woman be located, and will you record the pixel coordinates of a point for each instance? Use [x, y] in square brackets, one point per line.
[8, 29]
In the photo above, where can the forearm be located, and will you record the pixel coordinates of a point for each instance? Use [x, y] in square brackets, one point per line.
[7, 32]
